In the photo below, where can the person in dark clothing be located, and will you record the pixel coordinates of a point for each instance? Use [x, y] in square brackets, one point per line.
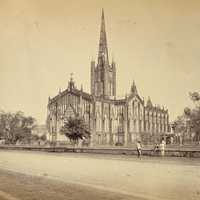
[156, 149]
[139, 149]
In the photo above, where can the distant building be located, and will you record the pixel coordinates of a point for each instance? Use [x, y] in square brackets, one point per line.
[40, 130]
[112, 121]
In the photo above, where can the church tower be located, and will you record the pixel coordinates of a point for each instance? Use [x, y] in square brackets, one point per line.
[103, 75]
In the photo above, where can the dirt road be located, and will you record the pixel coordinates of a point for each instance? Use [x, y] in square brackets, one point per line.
[17, 186]
[151, 178]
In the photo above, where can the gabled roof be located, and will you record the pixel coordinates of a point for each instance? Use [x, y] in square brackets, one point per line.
[73, 91]
[132, 95]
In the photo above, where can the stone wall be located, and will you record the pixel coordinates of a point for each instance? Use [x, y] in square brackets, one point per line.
[194, 153]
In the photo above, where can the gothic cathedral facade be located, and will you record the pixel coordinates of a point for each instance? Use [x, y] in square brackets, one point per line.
[111, 121]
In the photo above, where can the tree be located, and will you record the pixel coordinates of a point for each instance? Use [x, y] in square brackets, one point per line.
[190, 120]
[43, 137]
[195, 114]
[5, 120]
[16, 127]
[195, 97]
[178, 125]
[34, 137]
[75, 128]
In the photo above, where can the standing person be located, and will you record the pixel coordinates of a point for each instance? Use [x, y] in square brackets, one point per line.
[162, 148]
[156, 149]
[139, 149]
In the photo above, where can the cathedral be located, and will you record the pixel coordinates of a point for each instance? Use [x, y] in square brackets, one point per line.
[112, 121]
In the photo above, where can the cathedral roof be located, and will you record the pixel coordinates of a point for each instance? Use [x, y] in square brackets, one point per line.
[74, 91]
[84, 95]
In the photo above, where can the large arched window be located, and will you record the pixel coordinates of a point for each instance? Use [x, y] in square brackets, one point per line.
[121, 123]
[128, 125]
[111, 125]
[98, 122]
[106, 124]
[133, 109]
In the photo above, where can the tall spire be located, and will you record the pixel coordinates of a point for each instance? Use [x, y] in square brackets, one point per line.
[103, 49]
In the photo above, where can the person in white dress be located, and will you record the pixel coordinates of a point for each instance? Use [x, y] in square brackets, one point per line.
[162, 148]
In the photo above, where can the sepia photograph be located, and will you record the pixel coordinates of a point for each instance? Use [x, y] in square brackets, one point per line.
[99, 99]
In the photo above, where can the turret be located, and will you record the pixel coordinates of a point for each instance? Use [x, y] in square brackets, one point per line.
[149, 103]
[134, 88]
[71, 84]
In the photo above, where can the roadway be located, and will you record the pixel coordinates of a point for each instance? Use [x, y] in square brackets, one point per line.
[147, 178]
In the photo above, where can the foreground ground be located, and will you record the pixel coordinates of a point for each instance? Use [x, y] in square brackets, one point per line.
[17, 186]
[91, 176]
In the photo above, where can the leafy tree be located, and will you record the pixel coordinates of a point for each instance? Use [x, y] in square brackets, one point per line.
[15, 127]
[179, 125]
[34, 137]
[5, 120]
[75, 128]
[43, 137]
[195, 114]
[195, 97]
[190, 118]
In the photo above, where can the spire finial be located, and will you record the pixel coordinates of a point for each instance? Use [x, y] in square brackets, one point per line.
[71, 84]
[102, 16]
[71, 76]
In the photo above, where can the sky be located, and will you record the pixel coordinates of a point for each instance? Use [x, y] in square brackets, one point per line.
[156, 43]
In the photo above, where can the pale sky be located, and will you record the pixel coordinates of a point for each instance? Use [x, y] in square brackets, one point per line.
[154, 42]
